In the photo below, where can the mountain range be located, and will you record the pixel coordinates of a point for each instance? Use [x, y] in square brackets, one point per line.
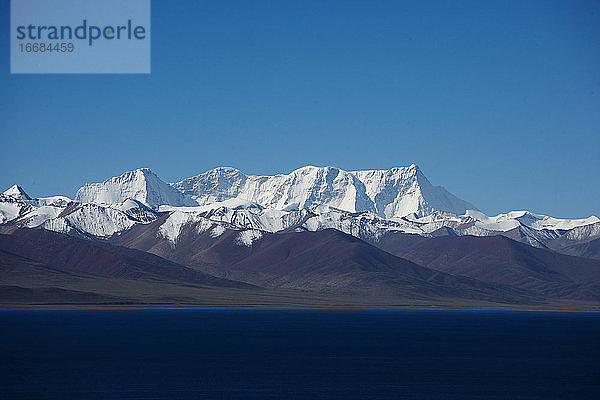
[315, 236]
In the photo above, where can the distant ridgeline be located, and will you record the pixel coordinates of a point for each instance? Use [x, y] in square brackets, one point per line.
[366, 204]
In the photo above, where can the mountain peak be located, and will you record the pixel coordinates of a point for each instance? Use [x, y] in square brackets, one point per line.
[312, 169]
[401, 191]
[140, 184]
[17, 192]
[392, 193]
[395, 192]
[221, 172]
[129, 176]
[226, 169]
[145, 171]
[215, 185]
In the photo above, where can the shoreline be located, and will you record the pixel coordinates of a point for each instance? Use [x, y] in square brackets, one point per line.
[137, 307]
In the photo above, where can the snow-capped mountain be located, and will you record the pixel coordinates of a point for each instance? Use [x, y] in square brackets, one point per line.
[141, 185]
[370, 227]
[61, 214]
[16, 192]
[393, 193]
[301, 189]
[514, 219]
[401, 191]
[366, 204]
[13, 203]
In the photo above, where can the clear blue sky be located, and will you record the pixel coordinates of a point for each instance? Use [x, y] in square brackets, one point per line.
[497, 101]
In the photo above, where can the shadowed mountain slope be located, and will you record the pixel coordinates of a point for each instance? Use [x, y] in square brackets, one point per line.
[68, 253]
[589, 249]
[501, 260]
[326, 261]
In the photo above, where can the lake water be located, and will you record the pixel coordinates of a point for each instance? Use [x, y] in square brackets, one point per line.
[284, 354]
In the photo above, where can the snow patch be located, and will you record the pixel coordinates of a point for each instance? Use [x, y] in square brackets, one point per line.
[171, 228]
[217, 231]
[9, 211]
[247, 238]
[57, 225]
[203, 226]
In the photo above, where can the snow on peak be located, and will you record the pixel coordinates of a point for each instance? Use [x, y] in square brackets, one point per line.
[141, 185]
[392, 193]
[17, 192]
[59, 201]
[401, 191]
[310, 186]
[302, 188]
[219, 184]
[513, 219]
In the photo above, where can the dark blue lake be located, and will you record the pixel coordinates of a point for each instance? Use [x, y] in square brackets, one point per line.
[263, 354]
